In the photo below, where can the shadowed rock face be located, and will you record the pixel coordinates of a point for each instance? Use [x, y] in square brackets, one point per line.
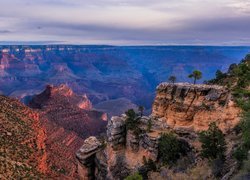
[194, 107]
[68, 120]
[72, 112]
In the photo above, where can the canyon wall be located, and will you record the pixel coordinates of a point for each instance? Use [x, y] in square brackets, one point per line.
[182, 109]
[194, 107]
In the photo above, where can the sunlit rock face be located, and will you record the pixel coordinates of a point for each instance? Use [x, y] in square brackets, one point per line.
[68, 119]
[22, 141]
[194, 107]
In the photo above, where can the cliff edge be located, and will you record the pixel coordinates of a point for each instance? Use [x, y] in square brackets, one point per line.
[194, 107]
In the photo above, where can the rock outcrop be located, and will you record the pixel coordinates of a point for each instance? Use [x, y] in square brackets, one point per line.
[123, 152]
[86, 155]
[194, 107]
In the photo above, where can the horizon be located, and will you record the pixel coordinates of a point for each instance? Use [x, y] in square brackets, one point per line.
[40, 43]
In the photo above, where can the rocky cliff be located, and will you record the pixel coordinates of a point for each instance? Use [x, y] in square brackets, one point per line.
[182, 109]
[194, 107]
[123, 152]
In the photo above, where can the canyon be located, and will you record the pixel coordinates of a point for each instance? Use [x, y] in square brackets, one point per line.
[65, 117]
[111, 76]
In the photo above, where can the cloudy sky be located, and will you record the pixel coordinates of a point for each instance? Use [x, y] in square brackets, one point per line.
[127, 22]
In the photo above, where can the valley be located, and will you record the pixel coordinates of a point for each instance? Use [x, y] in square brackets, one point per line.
[107, 73]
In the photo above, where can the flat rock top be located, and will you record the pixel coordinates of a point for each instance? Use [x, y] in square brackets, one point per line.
[90, 144]
[188, 85]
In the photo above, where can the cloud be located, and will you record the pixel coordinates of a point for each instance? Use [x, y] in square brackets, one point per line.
[127, 21]
[4, 31]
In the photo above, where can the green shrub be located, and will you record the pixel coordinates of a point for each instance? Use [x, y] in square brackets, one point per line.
[240, 154]
[243, 104]
[169, 148]
[149, 165]
[132, 119]
[217, 166]
[133, 122]
[135, 176]
[213, 143]
[245, 126]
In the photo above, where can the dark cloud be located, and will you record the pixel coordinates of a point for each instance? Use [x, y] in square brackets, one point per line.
[4, 31]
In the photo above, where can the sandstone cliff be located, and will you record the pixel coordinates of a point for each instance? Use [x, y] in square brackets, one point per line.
[194, 107]
[182, 109]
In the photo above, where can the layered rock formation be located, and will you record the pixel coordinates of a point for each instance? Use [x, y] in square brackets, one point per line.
[194, 107]
[72, 112]
[182, 109]
[122, 153]
[68, 119]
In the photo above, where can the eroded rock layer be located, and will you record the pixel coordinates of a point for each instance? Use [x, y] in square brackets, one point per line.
[194, 107]
[68, 120]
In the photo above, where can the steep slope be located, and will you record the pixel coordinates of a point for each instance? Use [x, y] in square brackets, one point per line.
[68, 120]
[22, 142]
[61, 106]
[61, 144]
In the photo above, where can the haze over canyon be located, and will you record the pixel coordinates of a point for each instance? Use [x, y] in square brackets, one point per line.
[114, 78]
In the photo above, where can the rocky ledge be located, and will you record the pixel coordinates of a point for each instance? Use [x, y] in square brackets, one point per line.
[194, 107]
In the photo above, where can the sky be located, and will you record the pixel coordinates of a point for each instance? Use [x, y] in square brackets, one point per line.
[126, 22]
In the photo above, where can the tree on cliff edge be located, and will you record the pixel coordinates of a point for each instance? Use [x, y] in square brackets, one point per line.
[196, 74]
[172, 79]
[141, 109]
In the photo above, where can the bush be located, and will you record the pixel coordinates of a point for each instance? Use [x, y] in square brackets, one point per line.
[149, 165]
[135, 176]
[217, 166]
[245, 126]
[240, 154]
[132, 123]
[132, 119]
[213, 143]
[169, 148]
